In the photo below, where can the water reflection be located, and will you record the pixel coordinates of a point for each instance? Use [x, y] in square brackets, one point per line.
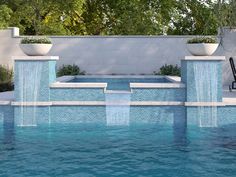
[180, 130]
[225, 137]
[9, 134]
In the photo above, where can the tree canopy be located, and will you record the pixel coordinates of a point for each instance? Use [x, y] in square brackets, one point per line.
[119, 17]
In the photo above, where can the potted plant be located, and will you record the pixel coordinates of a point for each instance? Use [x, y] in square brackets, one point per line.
[34, 46]
[202, 46]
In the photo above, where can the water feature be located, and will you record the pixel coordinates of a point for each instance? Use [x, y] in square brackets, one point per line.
[29, 85]
[206, 84]
[117, 107]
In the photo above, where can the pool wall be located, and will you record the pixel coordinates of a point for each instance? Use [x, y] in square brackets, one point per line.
[164, 103]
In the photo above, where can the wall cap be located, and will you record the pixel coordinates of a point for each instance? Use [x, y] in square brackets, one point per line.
[35, 58]
[211, 58]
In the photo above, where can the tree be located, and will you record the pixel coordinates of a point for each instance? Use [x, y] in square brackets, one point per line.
[193, 17]
[118, 17]
[43, 17]
[225, 12]
[122, 17]
[5, 16]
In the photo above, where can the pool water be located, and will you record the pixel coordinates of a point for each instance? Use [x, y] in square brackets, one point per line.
[137, 150]
[120, 83]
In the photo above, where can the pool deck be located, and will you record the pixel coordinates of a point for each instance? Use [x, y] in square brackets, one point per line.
[229, 98]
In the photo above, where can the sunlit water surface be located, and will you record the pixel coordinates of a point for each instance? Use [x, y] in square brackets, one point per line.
[136, 150]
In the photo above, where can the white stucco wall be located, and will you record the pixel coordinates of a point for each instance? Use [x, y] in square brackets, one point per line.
[116, 54]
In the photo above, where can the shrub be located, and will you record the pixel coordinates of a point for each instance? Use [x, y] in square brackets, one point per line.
[197, 40]
[69, 70]
[169, 70]
[6, 79]
[6, 86]
[36, 40]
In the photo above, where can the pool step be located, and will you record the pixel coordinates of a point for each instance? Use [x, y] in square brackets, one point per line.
[118, 91]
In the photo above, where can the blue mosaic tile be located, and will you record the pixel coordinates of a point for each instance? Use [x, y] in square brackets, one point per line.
[158, 94]
[6, 115]
[78, 114]
[42, 115]
[225, 115]
[67, 94]
[158, 114]
[138, 114]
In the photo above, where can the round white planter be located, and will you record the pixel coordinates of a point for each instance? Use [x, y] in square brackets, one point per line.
[36, 49]
[202, 49]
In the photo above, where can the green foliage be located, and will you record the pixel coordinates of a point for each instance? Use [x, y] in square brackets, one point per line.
[193, 17]
[6, 86]
[122, 17]
[6, 79]
[6, 74]
[117, 17]
[226, 13]
[5, 16]
[169, 70]
[40, 17]
[202, 40]
[72, 70]
[36, 40]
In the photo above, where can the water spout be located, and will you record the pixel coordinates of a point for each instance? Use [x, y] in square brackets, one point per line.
[29, 85]
[206, 84]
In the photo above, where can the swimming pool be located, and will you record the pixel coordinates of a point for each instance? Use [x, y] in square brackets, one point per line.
[138, 150]
[127, 126]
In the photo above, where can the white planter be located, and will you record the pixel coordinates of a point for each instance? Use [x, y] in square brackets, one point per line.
[202, 49]
[35, 49]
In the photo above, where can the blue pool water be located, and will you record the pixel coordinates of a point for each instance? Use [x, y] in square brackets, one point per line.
[120, 83]
[138, 150]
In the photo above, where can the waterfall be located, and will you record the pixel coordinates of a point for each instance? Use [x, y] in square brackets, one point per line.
[206, 84]
[29, 85]
[117, 107]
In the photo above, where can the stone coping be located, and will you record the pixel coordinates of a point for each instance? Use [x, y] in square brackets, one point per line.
[132, 103]
[98, 103]
[78, 85]
[205, 104]
[62, 82]
[42, 103]
[104, 85]
[229, 101]
[157, 85]
[35, 58]
[175, 79]
[15, 31]
[65, 78]
[202, 58]
[3, 103]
